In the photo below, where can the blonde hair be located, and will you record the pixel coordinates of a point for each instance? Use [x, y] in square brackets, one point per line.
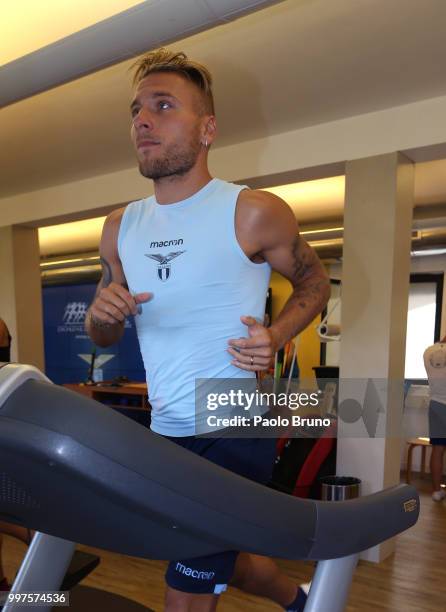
[163, 60]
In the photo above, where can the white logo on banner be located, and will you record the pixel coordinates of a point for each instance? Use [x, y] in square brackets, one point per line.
[73, 317]
[75, 312]
[100, 360]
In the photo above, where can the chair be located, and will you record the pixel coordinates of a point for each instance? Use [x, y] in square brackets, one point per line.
[412, 443]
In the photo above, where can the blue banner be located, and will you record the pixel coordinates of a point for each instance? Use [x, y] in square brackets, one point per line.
[68, 349]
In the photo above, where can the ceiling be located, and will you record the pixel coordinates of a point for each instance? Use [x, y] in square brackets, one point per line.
[28, 25]
[294, 64]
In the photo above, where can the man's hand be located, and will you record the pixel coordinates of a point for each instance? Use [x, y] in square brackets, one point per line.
[255, 353]
[114, 303]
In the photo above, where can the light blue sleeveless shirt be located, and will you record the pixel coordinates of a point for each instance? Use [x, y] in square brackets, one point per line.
[188, 256]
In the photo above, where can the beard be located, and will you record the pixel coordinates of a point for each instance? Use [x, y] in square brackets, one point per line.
[177, 160]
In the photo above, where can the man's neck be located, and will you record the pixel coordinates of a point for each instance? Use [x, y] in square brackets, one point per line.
[176, 188]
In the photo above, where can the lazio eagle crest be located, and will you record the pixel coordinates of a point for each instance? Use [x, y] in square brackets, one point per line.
[164, 263]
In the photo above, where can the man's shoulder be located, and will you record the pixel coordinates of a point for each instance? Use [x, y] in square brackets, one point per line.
[110, 230]
[265, 205]
[437, 346]
[428, 350]
[115, 217]
[265, 210]
[113, 220]
[435, 356]
[264, 200]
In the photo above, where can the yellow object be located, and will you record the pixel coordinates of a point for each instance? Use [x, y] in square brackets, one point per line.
[309, 345]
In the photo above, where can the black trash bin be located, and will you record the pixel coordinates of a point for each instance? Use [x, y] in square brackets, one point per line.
[340, 488]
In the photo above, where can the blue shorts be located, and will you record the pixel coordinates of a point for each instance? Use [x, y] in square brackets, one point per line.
[250, 457]
[437, 423]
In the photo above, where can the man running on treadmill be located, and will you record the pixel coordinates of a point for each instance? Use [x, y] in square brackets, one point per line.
[192, 264]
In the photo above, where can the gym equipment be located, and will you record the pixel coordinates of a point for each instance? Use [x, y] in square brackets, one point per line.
[76, 471]
[81, 565]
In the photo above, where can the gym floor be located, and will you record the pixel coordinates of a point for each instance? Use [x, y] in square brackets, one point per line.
[413, 580]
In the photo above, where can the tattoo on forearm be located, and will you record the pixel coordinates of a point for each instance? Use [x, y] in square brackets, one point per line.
[106, 273]
[309, 294]
[310, 290]
[302, 259]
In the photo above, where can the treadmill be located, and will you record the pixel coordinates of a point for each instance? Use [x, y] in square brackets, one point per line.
[77, 472]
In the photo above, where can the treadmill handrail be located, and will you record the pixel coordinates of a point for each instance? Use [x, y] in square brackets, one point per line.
[57, 418]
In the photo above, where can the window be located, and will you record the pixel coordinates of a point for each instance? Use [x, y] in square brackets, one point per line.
[423, 320]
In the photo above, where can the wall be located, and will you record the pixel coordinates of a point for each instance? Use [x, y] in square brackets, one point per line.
[418, 265]
[21, 295]
[8, 305]
[408, 127]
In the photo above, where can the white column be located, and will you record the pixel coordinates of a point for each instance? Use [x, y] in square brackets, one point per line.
[375, 286]
[21, 293]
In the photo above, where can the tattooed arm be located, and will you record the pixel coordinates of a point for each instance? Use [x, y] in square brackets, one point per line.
[113, 302]
[299, 263]
[267, 231]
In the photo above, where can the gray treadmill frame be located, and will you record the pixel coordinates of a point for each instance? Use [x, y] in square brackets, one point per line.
[48, 557]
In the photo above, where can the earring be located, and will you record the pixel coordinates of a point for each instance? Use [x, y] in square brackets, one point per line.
[206, 143]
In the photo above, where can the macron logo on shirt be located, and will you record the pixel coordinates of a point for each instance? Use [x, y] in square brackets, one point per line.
[165, 243]
[198, 575]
